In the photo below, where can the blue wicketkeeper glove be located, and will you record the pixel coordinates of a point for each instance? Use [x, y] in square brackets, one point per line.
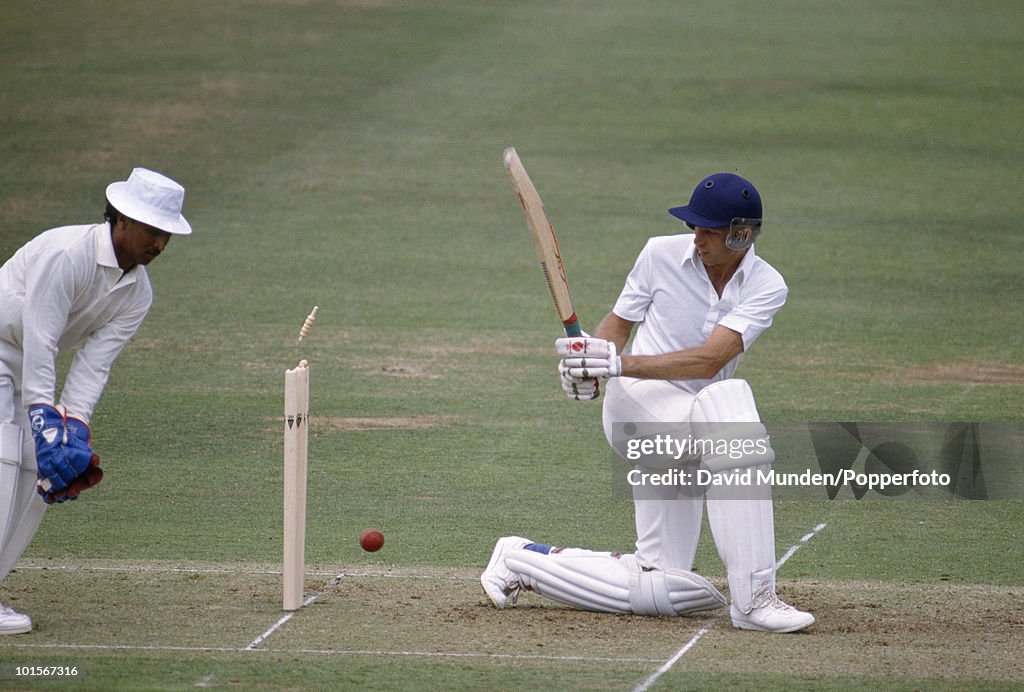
[58, 463]
[79, 451]
[79, 444]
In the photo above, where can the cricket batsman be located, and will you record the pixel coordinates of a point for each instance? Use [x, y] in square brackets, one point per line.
[74, 288]
[690, 308]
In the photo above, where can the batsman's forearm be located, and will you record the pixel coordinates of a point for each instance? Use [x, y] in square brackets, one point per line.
[691, 364]
[615, 329]
[698, 363]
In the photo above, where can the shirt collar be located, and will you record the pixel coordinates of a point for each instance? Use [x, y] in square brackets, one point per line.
[690, 256]
[105, 256]
[745, 264]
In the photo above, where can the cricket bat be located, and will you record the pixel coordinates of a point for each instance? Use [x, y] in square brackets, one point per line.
[544, 241]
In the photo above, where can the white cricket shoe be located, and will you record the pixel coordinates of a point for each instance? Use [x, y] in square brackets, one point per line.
[770, 614]
[13, 623]
[500, 583]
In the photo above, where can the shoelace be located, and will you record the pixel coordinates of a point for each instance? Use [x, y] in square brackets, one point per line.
[766, 597]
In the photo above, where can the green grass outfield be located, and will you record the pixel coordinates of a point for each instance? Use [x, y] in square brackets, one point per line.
[348, 155]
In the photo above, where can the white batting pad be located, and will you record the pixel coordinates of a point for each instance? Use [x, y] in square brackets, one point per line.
[726, 401]
[607, 583]
[26, 509]
[726, 413]
[11, 439]
[672, 592]
[744, 532]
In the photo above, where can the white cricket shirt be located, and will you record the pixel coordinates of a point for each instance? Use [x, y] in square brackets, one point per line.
[669, 294]
[61, 291]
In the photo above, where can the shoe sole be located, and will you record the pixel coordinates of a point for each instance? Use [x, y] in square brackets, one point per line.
[24, 629]
[757, 628]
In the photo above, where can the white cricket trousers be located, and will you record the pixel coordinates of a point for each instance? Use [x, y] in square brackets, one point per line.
[668, 518]
[29, 507]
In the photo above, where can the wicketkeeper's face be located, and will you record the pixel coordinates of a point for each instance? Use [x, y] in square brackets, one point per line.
[137, 243]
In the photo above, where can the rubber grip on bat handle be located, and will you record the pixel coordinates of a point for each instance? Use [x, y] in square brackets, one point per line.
[572, 326]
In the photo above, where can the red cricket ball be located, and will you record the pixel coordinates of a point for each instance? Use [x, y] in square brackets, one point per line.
[372, 540]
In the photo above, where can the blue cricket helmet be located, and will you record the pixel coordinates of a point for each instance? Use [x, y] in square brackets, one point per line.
[724, 200]
[718, 199]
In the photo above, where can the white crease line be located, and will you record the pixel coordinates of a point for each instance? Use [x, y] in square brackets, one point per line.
[802, 543]
[126, 647]
[226, 570]
[395, 575]
[653, 677]
[469, 654]
[278, 625]
[153, 568]
[642, 687]
[328, 652]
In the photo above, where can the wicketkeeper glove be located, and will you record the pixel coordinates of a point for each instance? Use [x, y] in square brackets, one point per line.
[79, 443]
[79, 449]
[58, 462]
[92, 476]
[588, 357]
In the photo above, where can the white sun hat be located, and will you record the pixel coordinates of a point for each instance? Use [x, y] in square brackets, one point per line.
[150, 198]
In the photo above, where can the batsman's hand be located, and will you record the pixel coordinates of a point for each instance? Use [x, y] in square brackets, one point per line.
[588, 358]
[580, 388]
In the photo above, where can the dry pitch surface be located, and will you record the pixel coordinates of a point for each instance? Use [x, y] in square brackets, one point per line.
[875, 631]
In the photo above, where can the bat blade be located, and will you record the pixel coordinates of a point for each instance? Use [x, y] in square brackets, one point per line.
[544, 242]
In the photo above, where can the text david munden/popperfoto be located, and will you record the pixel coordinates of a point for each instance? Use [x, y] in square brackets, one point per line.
[749, 477]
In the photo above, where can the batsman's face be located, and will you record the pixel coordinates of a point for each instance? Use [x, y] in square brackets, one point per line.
[711, 247]
[137, 243]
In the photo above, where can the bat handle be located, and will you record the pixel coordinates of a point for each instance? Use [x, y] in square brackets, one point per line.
[572, 326]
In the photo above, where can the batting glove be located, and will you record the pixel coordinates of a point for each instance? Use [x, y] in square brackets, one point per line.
[579, 388]
[588, 358]
[577, 346]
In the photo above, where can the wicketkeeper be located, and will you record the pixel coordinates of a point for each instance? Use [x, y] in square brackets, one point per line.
[73, 288]
[692, 305]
